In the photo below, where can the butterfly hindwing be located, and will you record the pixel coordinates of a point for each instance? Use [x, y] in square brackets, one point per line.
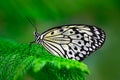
[73, 41]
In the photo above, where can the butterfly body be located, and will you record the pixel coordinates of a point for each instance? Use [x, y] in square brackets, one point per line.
[75, 41]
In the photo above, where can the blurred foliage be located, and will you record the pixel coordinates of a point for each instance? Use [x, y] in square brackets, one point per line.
[49, 13]
[22, 62]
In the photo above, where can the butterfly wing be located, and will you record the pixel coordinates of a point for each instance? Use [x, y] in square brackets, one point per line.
[73, 41]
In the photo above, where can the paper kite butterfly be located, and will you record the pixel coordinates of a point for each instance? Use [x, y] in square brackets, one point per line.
[74, 41]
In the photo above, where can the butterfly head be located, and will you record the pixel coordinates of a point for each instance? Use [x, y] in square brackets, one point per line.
[37, 37]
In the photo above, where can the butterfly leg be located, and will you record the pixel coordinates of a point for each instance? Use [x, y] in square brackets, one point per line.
[30, 45]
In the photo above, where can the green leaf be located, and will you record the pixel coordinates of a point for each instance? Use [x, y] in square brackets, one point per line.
[21, 62]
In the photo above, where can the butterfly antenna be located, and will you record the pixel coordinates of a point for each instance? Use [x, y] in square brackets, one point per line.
[33, 24]
[35, 27]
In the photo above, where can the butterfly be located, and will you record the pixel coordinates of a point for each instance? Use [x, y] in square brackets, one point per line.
[74, 41]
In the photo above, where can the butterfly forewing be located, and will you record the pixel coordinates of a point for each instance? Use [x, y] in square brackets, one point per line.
[73, 41]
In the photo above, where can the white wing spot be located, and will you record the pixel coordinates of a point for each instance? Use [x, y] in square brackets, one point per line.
[97, 32]
[96, 45]
[93, 47]
[90, 49]
[99, 43]
[86, 39]
[77, 58]
[85, 48]
[83, 52]
[80, 55]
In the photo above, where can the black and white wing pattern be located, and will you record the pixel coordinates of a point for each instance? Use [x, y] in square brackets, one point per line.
[75, 41]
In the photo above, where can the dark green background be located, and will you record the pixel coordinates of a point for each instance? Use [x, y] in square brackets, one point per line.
[104, 63]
